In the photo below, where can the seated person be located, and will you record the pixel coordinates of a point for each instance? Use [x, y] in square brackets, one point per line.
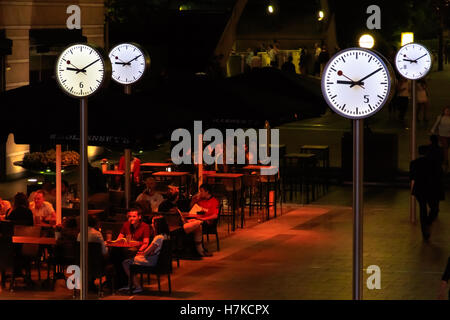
[21, 213]
[134, 229]
[209, 205]
[193, 226]
[150, 195]
[42, 210]
[149, 257]
[49, 193]
[94, 236]
[69, 229]
[5, 208]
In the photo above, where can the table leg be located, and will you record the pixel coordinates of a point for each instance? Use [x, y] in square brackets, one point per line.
[234, 207]
[241, 204]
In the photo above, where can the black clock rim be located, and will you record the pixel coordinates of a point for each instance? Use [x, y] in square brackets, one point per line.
[106, 69]
[146, 57]
[386, 98]
[418, 44]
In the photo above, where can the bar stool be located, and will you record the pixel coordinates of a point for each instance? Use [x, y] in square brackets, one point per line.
[298, 175]
[323, 157]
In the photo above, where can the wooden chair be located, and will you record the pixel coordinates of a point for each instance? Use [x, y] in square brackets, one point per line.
[96, 263]
[163, 266]
[28, 253]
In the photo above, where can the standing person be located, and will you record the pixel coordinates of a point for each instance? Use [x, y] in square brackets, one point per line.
[148, 257]
[442, 128]
[256, 61]
[42, 210]
[21, 213]
[317, 51]
[323, 58]
[422, 99]
[302, 61]
[402, 99]
[427, 187]
[248, 60]
[272, 55]
[135, 167]
[288, 66]
[444, 282]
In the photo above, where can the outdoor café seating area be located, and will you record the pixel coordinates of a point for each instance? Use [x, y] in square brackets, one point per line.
[39, 254]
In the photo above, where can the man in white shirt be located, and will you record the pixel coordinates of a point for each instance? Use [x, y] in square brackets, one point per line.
[94, 235]
[42, 210]
[150, 195]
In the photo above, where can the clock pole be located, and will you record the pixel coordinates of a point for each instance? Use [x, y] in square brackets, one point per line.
[412, 200]
[127, 157]
[358, 171]
[84, 198]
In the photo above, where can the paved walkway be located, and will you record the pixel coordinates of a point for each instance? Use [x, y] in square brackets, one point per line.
[307, 254]
[329, 128]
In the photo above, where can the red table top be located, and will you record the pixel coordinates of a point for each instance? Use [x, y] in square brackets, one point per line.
[34, 240]
[170, 174]
[156, 164]
[258, 167]
[114, 172]
[225, 175]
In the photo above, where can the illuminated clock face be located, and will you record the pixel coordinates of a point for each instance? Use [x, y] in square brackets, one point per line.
[129, 62]
[413, 61]
[356, 83]
[80, 70]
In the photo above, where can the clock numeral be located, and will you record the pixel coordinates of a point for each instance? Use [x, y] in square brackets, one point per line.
[81, 85]
[366, 98]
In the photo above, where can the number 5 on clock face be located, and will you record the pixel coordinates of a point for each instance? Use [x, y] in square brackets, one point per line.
[356, 83]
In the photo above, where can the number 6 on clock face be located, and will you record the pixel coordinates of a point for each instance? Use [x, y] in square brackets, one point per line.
[356, 83]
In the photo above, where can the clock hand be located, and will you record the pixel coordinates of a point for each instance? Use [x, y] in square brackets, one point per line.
[369, 75]
[347, 82]
[410, 61]
[420, 58]
[352, 83]
[129, 62]
[75, 69]
[84, 69]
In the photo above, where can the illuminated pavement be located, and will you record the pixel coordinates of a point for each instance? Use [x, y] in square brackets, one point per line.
[307, 254]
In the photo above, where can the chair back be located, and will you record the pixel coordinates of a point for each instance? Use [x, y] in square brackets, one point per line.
[6, 230]
[28, 250]
[95, 259]
[65, 252]
[172, 219]
[164, 264]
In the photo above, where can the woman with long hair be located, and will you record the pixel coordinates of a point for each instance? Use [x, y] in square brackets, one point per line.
[21, 213]
[149, 257]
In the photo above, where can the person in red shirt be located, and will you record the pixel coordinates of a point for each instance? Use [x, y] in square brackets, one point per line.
[209, 204]
[135, 167]
[136, 230]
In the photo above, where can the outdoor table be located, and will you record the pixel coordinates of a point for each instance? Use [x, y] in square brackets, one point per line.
[323, 154]
[269, 181]
[302, 164]
[111, 174]
[234, 177]
[156, 165]
[132, 244]
[165, 175]
[34, 240]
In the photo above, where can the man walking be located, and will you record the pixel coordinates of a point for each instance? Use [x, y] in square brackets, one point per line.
[426, 176]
